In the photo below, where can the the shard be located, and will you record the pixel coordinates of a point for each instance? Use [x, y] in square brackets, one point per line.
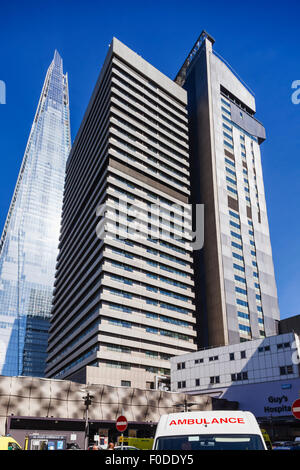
[29, 242]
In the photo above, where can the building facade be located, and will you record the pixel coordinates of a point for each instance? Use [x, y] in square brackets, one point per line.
[272, 359]
[123, 298]
[236, 293]
[262, 376]
[29, 242]
[31, 405]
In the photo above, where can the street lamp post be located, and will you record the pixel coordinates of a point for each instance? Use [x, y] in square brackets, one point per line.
[87, 402]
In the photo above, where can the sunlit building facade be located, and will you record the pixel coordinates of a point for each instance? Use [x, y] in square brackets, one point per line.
[125, 305]
[29, 242]
[236, 293]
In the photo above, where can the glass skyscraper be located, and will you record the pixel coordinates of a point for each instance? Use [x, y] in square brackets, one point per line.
[29, 242]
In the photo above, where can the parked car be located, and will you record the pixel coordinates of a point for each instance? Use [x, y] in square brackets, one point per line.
[286, 445]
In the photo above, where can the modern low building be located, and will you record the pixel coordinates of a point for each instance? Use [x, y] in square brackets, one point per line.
[236, 294]
[47, 408]
[124, 290]
[262, 375]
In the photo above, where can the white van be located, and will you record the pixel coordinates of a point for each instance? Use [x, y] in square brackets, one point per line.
[209, 430]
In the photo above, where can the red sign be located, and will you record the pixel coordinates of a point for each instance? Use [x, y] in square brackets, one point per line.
[121, 424]
[296, 408]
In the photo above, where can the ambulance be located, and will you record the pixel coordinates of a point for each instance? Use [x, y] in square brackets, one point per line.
[209, 430]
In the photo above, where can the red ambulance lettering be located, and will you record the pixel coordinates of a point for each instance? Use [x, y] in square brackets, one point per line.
[193, 421]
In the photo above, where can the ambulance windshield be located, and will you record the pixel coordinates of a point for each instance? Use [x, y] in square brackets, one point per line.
[210, 442]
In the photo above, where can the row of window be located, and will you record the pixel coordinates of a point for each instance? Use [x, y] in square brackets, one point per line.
[232, 357]
[237, 377]
[153, 150]
[241, 292]
[127, 350]
[138, 84]
[127, 295]
[156, 331]
[154, 316]
[159, 199]
[156, 264]
[167, 280]
[150, 288]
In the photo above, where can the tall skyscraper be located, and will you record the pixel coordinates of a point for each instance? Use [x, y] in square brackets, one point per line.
[124, 302]
[29, 242]
[236, 293]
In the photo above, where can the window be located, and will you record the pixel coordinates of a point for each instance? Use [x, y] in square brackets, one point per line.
[213, 358]
[199, 361]
[230, 162]
[228, 145]
[231, 190]
[243, 354]
[239, 376]
[236, 245]
[262, 349]
[241, 291]
[125, 383]
[214, 380]
[238, 267]
[230, 180]
[240, 279]
[181, 384]
[245, 328]
[231, 356]
[227, 136]
[244, 315]
[226, 110]
[285, 370]
[197, 382]
[180, 365]
[283, 345]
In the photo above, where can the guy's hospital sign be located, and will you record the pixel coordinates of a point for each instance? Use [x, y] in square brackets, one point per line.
[2, 92]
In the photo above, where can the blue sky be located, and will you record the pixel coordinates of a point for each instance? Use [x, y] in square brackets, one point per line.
[259, 39]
